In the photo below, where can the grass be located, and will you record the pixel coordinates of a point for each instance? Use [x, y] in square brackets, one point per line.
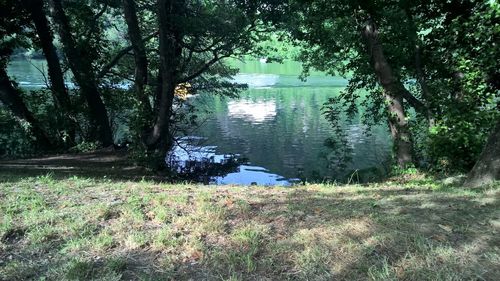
[72, 228]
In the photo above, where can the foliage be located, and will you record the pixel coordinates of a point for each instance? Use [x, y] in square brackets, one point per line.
[85, 147]
[14, 139]
[446, 53]
[464, 77]
[209, 31]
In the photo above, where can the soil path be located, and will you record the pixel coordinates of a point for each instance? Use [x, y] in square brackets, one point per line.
[109, 163]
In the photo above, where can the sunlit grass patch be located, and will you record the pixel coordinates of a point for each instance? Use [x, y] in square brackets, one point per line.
[84, 229]
[166, 239]
[312, 263]
[240, 208]
[241, 253]
[135, 240]
[84, 269]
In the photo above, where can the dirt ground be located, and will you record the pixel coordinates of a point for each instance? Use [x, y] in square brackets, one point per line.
[101, 163]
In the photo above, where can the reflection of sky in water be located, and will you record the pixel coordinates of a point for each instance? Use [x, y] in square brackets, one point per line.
[277, 123]
[263, 81]
[257, 80]
[252, 175]
[187, 150]
[252, 111]
[283, 129]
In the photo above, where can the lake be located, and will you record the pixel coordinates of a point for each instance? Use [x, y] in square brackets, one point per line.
[277, 125]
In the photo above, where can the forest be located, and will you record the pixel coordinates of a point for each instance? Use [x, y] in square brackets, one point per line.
[249, 140]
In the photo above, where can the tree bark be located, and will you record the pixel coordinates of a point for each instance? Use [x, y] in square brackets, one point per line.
[10, 97]
[83, 73]
[58, 88]
[36, 10]
[399, 130]
[61, 97]
[160, 137]
[422, 81]
[141, 60]
[487, 168]
[394, 92]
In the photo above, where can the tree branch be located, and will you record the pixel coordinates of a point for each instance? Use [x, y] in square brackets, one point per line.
[106, 68]
[414, 102]
[204, 68]
[93, 24]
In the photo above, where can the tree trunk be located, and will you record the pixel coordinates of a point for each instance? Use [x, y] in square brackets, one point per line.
[394, 92]
[84, 76]
[36, 10]
[56, 77]
[141, 60]
[423, 84]
[10, 97]
[160, 137]
[399, 130]
[487, 168]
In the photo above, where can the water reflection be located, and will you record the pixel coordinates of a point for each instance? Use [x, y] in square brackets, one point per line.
[283, 130]
[257, 80]
[249, 175]
[276, 124]
[32, 74]
[265, 81]
[253, 111]
[193, 161]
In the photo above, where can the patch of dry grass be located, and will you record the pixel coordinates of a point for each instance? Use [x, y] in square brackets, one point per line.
[81, 229]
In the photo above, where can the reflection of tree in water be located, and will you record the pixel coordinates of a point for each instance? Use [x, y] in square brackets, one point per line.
[192, 162]
[346, 154]
[206, 170]
[286, 131]
[280, 129]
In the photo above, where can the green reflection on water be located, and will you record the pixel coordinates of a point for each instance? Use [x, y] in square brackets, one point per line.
[277, 123]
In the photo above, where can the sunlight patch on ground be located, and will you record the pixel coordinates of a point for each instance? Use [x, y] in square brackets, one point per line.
[82, 228]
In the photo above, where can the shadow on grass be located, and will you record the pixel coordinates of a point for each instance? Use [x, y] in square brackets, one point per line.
[96, 165]
[379, 234]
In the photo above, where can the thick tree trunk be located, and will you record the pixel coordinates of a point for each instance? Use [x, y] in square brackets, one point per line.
[56, 77]
[399, 130]
[83, 73]
[160, 137]
[487, 168]
[394, 93]
[36, 10]
[10, 97]
[141, 60]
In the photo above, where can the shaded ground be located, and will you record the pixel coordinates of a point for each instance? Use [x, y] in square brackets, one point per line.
[80, 229]
[109, 163]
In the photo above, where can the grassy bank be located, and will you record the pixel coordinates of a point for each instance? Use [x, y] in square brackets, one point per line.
[73, 228]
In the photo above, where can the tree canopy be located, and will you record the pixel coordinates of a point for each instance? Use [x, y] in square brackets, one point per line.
[427, 68]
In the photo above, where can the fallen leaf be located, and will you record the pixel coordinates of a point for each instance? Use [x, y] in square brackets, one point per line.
[445, 227]
[439, 237]
[196, 255]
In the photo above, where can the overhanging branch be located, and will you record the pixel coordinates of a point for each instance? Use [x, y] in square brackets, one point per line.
[204, 68]
[107, 68]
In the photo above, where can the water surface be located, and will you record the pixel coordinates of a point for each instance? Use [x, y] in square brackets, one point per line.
[277, 124]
